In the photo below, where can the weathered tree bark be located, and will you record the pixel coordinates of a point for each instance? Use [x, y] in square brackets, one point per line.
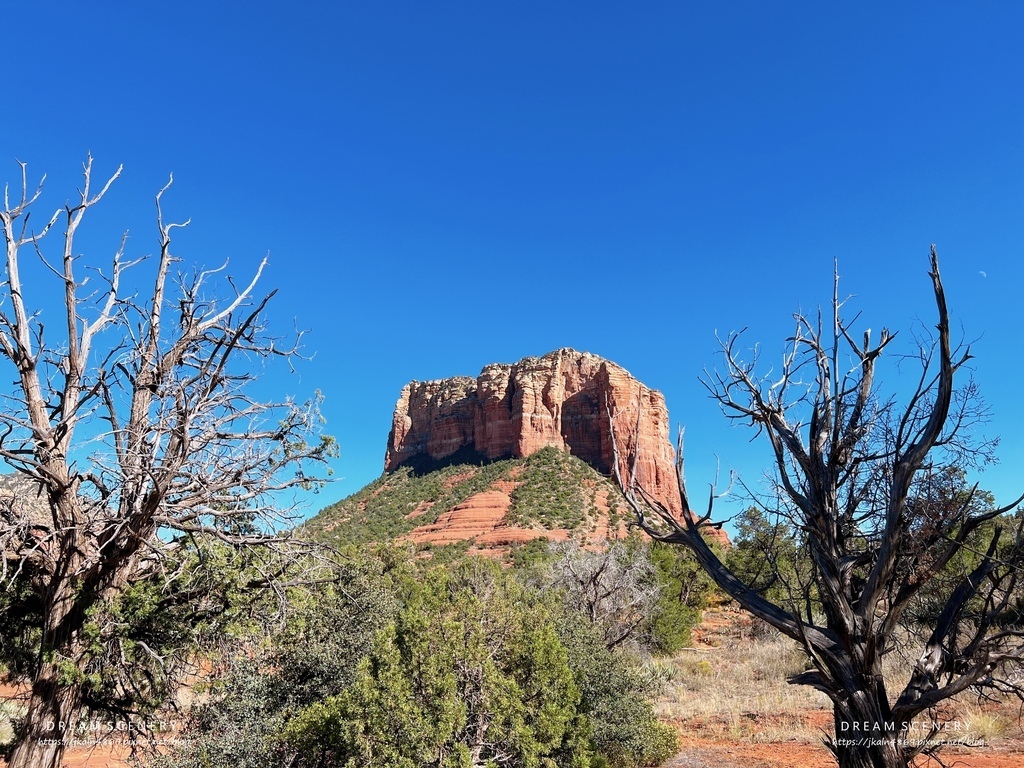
[864, 488]
[56, 692]
[51, 720]
[864, 740]
[174, 446]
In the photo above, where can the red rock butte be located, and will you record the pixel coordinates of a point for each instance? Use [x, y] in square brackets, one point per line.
[575, 401]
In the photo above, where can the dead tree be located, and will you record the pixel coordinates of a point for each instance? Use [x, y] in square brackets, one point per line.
[616, 588]
[855, 473]
[134, 420]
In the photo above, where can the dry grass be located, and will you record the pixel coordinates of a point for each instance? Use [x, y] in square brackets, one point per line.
[987, 723]
[735, 683]
[732, 685]
[740, 678]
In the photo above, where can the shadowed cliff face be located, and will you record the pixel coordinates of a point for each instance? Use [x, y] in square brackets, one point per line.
[571, 400]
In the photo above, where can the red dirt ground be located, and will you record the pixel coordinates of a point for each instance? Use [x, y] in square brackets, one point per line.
[709, 753]
[695, 753]
[707, 745]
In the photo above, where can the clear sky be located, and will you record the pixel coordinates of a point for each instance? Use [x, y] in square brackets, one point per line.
[443, 185]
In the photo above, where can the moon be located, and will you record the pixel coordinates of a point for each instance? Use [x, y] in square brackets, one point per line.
[982, 273]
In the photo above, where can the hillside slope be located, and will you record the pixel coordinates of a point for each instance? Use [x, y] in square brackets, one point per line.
[487, 508]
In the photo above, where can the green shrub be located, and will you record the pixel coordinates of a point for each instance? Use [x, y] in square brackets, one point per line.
[553, 491]
[530, 556]
[316, 655]
[408, 664]
[685, 590]
[11, 715]
[471, 670]
[616, 690]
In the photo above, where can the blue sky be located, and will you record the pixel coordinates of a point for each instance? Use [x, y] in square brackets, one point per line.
[444, 185]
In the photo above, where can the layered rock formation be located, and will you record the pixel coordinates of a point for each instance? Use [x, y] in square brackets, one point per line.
[575, 401]
[483, 520]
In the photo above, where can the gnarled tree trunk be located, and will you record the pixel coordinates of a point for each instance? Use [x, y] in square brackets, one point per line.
[866, 736]
[56, 697]
[174, 444]
[872, 493]
[51, 721]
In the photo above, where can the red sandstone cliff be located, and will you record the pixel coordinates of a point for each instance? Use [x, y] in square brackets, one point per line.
[562, 399]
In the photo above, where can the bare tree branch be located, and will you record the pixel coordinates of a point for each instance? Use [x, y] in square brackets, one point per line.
[876, 497]
[139, 438]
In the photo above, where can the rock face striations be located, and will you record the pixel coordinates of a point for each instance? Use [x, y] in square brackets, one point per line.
[572, 400]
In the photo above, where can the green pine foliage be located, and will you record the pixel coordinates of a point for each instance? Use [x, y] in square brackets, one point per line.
[556, 490]
[449, 661]
[470, 673]
[616, 689]
[410, 664]
[141, 642]
[531, 556]
[685, 591]
[934, 496]
[768, 556]
[265, 680]
[771, 556]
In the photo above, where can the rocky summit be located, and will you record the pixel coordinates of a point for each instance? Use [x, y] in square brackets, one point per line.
[572, 401]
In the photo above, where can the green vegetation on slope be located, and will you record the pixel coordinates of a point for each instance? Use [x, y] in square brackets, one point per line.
[557, 490]
[380, 511]
[453, 660]
[554, 490]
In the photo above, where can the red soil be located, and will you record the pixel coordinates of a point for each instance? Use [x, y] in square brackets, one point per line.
[714, 753]
[481, 519]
